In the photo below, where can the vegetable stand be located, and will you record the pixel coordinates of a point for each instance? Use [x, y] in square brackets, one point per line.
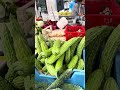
[59, 47]
[78, 77]
[56, 54]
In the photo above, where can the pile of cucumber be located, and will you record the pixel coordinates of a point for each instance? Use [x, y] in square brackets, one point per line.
[53, 57]
[102, 43]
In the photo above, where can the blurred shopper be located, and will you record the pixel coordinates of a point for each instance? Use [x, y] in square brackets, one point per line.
[78, 9]
[72, 3]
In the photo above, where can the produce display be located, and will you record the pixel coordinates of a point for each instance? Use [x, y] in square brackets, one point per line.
[57, 56]
[54, 56]
[102, 45]
[96, 39]
[59, 53]
[19, 56]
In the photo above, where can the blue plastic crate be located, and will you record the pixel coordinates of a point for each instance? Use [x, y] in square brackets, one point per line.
[78, 77]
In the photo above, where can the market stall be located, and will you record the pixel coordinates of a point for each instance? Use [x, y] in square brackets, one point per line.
[62, 8]
[60, 53]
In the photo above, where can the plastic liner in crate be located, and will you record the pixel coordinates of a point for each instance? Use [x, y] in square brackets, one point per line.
[93, 20]
[78, 77]
[74, 31]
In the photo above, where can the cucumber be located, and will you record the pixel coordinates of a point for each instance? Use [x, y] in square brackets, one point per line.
[94, 46]
[67, 56]
[51, 69]
[63, 49]
[109, 51]
[80, 47]
[59, 63]
[95, 80]
[74, 47]
[73, 62]
[44, 69]
[61, 79]
[56, 47]
[81, 64]
[95, 32]
[110, 84]
[46, 53]
[37, 44]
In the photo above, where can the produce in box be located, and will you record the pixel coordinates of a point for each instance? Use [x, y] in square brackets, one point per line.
[96, 38]
[19, 56]
[58, 84]
[101, 51]
[56, 54]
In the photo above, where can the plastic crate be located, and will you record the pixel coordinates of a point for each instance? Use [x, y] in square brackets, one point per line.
[71, 31]
[93, 20]
[95, 7]
[78, 77]
[116, 8]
